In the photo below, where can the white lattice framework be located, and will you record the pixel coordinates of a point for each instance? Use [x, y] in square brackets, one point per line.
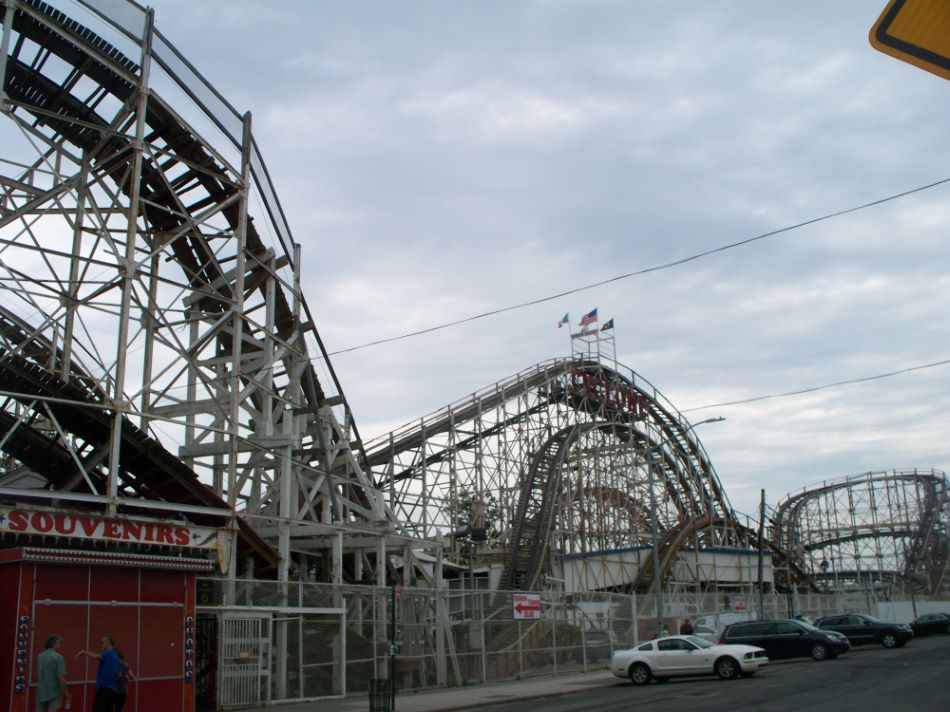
[151, 304]
[570, 456]
[889, 527]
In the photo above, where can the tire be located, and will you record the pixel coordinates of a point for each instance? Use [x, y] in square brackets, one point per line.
[727, 668]
[640, 674]
[819, 651]
[889, 640]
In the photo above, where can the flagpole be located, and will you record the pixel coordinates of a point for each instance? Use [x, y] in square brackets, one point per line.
[613, 341]
[598, 341]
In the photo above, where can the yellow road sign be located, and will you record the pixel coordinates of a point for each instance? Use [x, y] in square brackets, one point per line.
[917, 32]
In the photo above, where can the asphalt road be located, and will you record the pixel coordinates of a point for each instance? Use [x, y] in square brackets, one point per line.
[866, 679]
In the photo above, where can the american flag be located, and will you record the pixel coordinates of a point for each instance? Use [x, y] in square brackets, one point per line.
[589, 318]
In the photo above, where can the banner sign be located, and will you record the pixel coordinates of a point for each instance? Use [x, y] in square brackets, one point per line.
[103, 528]
[585, 332]
[616, 395]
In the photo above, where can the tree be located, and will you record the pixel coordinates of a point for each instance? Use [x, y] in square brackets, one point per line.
[479, 510]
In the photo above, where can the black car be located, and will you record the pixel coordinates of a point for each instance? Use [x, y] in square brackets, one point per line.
[931, 623]
[787, 639]
[598, 645]
[862, 630]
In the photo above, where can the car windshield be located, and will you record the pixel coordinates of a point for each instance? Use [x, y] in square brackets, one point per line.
[808, 626]
[870, 618]
[699, 642]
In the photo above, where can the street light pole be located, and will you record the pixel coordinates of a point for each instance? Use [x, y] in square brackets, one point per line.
[654, 527]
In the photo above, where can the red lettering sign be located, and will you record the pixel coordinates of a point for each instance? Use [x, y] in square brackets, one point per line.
[526, 606]
[18, 521]
[614, 395]
[84, 526]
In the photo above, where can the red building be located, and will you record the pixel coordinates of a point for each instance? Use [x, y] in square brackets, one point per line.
[104, 578]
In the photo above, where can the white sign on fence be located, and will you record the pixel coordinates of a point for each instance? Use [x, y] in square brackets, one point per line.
[526, 606]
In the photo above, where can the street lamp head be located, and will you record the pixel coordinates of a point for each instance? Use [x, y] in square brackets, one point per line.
[703, 422]
[478, 534]
[470, 533]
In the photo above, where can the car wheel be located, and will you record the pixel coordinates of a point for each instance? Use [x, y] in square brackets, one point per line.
[640, 674]
[819, 651]
[888, 640]
[662, 679]
[727, 668]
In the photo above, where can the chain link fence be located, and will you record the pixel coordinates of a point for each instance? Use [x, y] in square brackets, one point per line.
[328, 640]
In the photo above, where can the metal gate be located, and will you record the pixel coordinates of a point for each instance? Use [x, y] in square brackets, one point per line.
[245, 658]
[277, 655]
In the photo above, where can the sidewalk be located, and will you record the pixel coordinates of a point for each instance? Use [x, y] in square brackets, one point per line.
[457, 698]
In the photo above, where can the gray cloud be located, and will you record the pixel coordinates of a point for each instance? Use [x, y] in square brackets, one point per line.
[438, 160]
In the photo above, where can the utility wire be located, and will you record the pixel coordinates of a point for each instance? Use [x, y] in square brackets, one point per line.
[813, 389]
[787, 394]
[657, 268]
[646, 270]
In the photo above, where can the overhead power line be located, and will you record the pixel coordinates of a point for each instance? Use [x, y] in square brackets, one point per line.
[646, 270]
[826, 386]
[786, 394]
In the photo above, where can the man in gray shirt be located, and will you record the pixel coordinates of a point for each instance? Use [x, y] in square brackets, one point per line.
[51, 677]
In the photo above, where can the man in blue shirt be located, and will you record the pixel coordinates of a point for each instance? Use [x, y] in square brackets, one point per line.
[109, 669]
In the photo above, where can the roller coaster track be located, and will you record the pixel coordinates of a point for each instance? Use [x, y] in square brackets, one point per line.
[651, 434]
[896, 519]
[148, 471]
[535, 513]
[670, 425]
[160, 242]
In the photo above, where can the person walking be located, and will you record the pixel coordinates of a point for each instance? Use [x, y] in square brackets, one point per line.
[109, 669]
[51, 677]
[686, 628]
[125, 675]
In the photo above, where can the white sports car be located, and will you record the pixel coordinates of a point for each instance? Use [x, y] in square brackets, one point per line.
[678, 655]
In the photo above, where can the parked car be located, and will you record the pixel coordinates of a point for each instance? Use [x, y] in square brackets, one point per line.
[681, 655]
[717, 621]
[707, 633]
[862, 630]
[787, 639]
[598, 645]
[931, 623]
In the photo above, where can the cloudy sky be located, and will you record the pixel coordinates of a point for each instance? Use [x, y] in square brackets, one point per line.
[439, 160]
